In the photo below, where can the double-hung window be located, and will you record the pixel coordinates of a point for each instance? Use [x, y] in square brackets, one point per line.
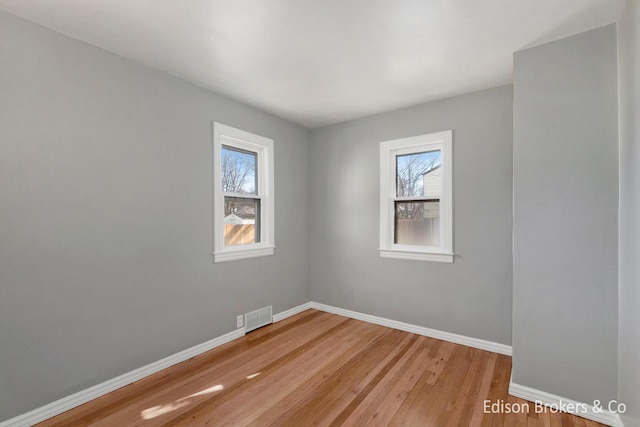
[243, 194]
[416, 200]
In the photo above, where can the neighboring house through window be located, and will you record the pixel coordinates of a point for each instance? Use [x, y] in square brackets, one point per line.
[416, 200]
[243, 194]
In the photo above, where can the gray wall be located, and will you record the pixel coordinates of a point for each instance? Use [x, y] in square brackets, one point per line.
[472, 296]
[565, 167]
[629, 72]
[106, 217]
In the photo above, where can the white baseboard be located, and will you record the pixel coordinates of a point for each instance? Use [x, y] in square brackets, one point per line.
[66, 403]
[62, 405]
[291, 312]
[420, 330]
[581, 409]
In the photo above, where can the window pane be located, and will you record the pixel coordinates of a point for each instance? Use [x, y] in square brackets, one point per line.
[239, 171]
[417, 223]
[418, 174]
[241, 221]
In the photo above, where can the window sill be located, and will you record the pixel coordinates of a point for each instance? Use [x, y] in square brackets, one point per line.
[242, 254]
[416, 255]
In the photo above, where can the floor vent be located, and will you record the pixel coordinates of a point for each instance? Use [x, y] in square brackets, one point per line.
[257, 319]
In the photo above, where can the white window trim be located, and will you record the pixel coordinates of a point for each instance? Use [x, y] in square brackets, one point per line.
[388, 152]
[227, 135]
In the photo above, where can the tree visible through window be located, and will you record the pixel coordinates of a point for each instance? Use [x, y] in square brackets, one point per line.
[417, 216]
[241, 214]
[238, 171]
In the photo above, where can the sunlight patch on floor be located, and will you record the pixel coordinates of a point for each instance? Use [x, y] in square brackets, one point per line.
[207, 391]
[156, 411]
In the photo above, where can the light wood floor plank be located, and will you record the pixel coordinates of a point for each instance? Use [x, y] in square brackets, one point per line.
[320, 369]
[383, 402]
[270, 388]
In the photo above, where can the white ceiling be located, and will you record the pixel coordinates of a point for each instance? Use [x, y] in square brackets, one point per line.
[317, 62]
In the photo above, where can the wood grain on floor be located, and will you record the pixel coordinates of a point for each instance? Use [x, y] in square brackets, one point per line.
[320, 369]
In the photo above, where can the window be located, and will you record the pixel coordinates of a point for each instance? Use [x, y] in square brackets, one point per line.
[243, 194]
[416, 200]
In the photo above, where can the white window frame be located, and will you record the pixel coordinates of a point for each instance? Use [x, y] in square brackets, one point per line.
[389, 150]
[263, 147]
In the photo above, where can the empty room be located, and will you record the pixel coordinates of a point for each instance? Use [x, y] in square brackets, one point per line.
[320, 213]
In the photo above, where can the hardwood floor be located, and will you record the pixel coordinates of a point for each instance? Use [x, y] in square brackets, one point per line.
[319, 369]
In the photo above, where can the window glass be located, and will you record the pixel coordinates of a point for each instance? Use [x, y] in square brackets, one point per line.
[415, 170]
[239, 171]
[417, 223]
[241, 221]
